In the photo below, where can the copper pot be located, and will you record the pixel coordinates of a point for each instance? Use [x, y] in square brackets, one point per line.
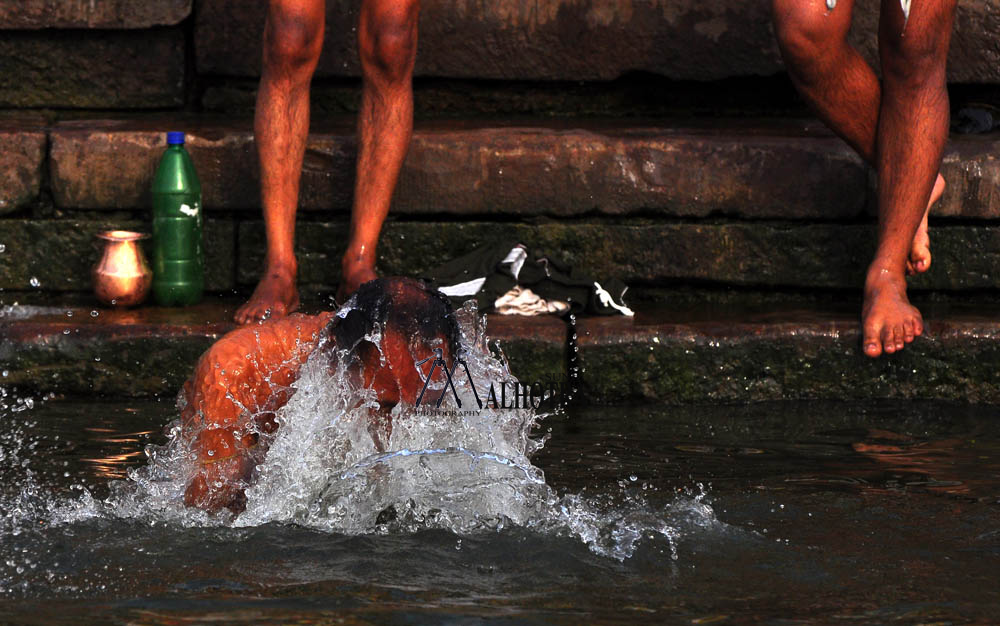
[122, 277]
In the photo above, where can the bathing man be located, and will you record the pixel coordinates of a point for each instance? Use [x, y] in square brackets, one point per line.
[230, 403]
[899, 126]
[293, 39]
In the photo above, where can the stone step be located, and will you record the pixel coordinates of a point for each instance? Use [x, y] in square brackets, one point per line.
[784, 354]
[150, 351]
[570, 39]
[650, 252]
[756, 169]
[57, 255]
[665, 356]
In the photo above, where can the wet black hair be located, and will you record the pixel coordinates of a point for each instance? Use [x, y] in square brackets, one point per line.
[404, 305]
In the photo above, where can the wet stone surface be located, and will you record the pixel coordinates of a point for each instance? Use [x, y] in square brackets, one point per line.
[786, 354]
[663, 355]
[151, 350]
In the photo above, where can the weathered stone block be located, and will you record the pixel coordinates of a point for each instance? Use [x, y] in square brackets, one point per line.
[650, 253]
[814, 356]
[570, 39]
[31, 14]
[60, 254]
[22, 150]
[101, 69]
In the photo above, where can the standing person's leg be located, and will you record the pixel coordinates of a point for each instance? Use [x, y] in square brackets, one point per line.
[844, 91]
[387, 43]
[913, 128]
[293, 39]
[840, 86]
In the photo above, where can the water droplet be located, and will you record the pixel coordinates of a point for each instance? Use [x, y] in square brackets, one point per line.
[113, 301]
[97, 358]
[3, 248]
[94, 314]
[69, 313]
[65, 331]
[34, 282]
[633, 478]
[211, 453]
[5, 373]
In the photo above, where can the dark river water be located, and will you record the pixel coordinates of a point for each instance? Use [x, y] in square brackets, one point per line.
[773, 513]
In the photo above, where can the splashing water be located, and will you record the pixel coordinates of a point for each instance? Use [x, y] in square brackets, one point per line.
[466, 470]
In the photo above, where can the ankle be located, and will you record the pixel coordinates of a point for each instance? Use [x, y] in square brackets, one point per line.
[357, 261]
[282, 270]
[884, 273]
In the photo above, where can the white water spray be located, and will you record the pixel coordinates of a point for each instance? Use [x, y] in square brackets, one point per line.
[466, 471]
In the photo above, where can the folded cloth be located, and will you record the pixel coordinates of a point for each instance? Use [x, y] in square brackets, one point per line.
[520, 301]
[491, 271]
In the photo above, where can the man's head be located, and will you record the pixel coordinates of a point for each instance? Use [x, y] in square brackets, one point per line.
[412, 320]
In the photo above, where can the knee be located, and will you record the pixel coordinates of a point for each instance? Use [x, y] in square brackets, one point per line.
[388, 43]
[293, 38]
[914, 62]
[804, 32]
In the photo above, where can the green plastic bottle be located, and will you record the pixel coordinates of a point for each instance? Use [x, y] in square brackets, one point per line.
[178, 260]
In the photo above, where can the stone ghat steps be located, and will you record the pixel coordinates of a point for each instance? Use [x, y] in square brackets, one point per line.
[751, 203]
[659, 356]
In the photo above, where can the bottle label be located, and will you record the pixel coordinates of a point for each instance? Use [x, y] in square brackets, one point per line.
[189, 211]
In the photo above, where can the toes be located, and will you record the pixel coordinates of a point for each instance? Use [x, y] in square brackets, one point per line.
[898, 337]
[920, 263]
[871, 343]
[890, 343]
[918, 326]
[908, 333]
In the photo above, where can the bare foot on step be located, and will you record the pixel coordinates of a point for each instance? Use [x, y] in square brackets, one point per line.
[888, 320]
[275, 297]
[920, 254]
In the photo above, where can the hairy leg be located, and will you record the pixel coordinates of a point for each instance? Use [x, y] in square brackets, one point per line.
[293, 39]
[387, 42]
[913, 128]
[840, 86]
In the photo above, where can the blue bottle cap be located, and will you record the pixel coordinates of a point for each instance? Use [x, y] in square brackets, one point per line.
[175, 138]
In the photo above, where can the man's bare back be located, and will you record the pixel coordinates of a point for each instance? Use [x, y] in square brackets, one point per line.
[244, 379]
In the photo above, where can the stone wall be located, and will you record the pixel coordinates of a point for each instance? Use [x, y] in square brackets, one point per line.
[118, 54]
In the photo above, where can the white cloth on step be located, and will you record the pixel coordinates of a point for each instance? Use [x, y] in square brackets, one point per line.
[520, 301]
